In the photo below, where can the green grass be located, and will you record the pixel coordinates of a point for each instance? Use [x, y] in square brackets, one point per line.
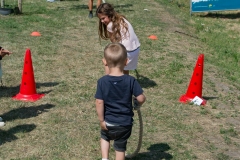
[67, 64]
[218, 33]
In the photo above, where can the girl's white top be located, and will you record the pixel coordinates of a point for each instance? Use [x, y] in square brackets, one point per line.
[130, 40]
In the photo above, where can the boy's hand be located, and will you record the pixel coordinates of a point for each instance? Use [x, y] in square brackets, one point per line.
[136, 105]
[103, 125]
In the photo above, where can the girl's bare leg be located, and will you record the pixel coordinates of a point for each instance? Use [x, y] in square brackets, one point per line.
[90, 5]
[99, 2]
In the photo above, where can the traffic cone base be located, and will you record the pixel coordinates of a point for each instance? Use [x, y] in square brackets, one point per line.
[31, 98]
[185, 99]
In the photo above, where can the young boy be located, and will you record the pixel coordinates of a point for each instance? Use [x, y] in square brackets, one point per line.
[114, 101]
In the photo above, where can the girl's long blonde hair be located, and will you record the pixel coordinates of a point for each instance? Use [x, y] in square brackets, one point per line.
[117, 20]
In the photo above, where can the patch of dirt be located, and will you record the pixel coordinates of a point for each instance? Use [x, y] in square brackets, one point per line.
[222, 102]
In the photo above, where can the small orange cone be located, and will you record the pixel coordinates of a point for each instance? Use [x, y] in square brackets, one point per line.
[28, 86]
[36, 34]
[195, 86]
[153, 37]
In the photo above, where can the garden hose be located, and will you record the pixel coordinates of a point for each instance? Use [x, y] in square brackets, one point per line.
[139, 138]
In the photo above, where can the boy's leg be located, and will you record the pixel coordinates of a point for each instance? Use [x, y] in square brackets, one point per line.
[120, 155]
[105, 148]
[120, 142]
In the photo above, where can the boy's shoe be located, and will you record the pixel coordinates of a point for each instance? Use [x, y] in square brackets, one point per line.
[1, 119]
[2, 124]
[90, 15]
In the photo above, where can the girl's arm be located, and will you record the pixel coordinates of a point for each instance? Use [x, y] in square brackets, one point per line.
[110, 36]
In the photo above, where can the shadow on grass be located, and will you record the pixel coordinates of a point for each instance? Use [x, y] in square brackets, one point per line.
[222, 15]
[209, 98]
[121, 7]
[144, 81]
[156, 152]
[75, 7]
[26, 112]
[8, 136]
[11, 91]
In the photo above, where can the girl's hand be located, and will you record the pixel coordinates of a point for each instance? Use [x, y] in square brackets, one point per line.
[103, 125]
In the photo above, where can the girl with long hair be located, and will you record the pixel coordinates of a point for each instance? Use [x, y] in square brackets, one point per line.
[117, 28]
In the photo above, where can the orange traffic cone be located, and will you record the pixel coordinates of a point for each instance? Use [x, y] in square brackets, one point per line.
[28, 86]
[36, 34]
[195, 86]
[153, 37]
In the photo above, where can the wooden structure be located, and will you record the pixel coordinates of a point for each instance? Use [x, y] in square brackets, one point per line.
[19, 5]
[2, 3]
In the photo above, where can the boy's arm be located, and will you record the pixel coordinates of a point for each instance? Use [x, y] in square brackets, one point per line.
[141, 99]
[100, 113]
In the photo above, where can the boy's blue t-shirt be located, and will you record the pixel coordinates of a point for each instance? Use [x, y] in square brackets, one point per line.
[116, 92]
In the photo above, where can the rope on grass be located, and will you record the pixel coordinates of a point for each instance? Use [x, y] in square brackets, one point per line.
[187, 34]
[139, 138]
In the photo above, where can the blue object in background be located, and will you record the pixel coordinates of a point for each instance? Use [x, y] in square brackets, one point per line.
[214, 5]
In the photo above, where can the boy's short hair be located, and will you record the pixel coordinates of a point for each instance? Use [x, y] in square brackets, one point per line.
[115, 55]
